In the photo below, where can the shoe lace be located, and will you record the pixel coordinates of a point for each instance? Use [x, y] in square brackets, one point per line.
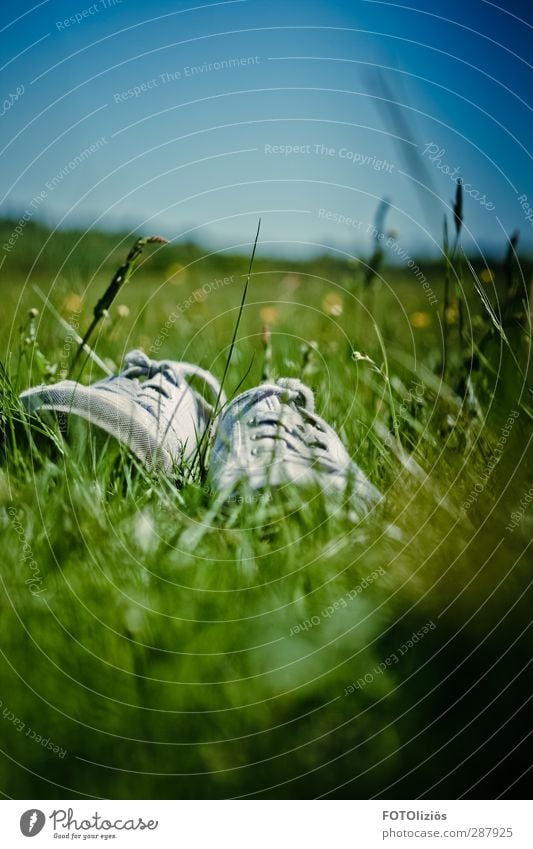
[138, 364]
[297, 425]
[159, 373]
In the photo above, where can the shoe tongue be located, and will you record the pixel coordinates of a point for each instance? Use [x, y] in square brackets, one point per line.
[300, 393]
[138, 363]
[138, 358]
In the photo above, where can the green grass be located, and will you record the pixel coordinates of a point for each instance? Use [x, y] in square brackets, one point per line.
[155, 650]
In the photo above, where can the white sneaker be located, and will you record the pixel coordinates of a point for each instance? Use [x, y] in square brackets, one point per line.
[270, 436]
[160, 419]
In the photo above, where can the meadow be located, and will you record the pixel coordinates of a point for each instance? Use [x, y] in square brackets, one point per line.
[153, 646]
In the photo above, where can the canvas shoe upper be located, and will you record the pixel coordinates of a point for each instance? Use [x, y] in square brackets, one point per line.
[272, 436]
[150, 407]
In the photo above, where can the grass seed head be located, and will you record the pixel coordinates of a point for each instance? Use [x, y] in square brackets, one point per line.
[458, 207]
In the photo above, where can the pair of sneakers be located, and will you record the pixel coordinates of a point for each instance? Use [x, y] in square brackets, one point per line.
[267, 437]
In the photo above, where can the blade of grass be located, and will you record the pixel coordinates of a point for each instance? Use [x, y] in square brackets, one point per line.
[237, 323]
[200, 453]
[385, 372]
[446, 304]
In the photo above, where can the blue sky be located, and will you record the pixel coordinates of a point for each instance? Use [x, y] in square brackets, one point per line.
[210, 114]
